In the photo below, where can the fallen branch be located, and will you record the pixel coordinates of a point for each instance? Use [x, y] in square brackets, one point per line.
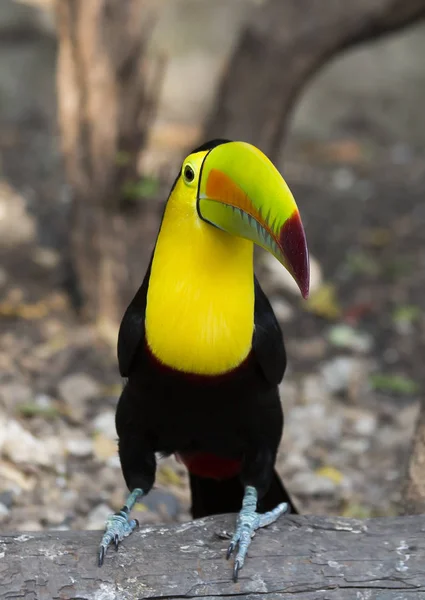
[311, 557]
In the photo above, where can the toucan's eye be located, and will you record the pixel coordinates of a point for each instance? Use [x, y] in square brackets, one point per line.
[188, 174]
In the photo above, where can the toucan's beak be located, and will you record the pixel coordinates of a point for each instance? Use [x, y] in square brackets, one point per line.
[241, 192]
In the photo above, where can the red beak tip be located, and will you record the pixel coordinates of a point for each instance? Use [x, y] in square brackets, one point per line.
[304, 285]
[294, 248]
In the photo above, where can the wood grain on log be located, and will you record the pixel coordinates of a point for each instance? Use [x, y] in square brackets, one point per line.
[305, 557]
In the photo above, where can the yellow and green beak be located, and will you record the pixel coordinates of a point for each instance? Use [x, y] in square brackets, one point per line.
[241, 192]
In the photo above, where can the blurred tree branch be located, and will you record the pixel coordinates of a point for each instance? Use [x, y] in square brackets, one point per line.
[106, 103]
[284, 43]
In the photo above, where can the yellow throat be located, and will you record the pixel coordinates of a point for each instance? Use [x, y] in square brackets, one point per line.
[200, 300]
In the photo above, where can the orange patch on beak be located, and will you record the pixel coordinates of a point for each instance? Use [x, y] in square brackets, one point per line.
[221, 187]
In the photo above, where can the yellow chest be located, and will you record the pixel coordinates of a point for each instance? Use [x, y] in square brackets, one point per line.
[200, 301]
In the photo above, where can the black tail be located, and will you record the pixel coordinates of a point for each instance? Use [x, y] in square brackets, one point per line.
[212, 497]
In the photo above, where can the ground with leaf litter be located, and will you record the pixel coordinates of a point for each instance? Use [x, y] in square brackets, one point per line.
[355, 348]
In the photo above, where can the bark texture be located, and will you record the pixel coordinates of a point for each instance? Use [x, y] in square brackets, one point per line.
[106, 101]
[312, 558]
[413, 496]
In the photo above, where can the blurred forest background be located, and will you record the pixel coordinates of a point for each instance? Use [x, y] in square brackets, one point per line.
[95, 117]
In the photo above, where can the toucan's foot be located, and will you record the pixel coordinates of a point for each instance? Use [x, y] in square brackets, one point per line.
[119, 525]
[248, 522]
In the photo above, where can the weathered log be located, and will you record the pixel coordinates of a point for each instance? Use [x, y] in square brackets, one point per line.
[281, 47]
[314, 558]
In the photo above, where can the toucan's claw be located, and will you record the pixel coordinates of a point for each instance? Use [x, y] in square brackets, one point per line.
[118, 526]
[101, 556]
[236, 568]
[248, 522]
[230, 549]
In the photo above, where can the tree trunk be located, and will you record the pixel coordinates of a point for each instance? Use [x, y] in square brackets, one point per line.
[412, 499]
[284, 43]
[105, 106]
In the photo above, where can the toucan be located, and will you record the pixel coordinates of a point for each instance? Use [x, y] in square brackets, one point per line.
[200, 348]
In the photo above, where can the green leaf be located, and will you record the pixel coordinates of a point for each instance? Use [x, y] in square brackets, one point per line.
[398, 267]
[122, 158]
[354, 510]
[324, 302]
[32, 409]
[406, 314]
[143, 188]
[345, 336]
[397, 384]
[361, 263]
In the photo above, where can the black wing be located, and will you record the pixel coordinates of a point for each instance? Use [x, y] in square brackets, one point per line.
[132, 328]
[267, 343]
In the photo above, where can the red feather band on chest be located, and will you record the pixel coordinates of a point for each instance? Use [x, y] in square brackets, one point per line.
[210, 465]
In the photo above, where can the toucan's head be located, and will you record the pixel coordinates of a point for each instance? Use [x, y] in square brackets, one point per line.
[238, 190]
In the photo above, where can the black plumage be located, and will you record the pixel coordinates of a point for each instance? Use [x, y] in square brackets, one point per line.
[237, 415]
